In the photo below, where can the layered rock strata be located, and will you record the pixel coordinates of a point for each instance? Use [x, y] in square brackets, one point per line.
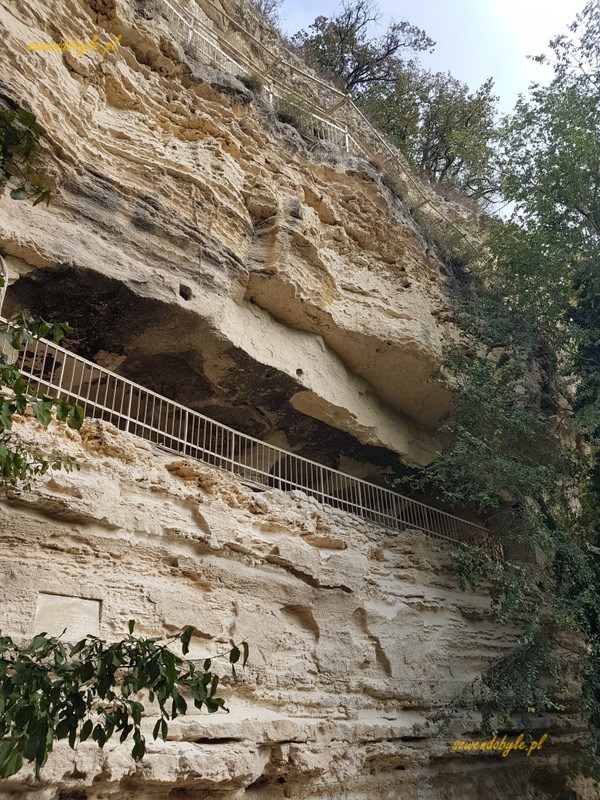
[356, 635]
[201, 247]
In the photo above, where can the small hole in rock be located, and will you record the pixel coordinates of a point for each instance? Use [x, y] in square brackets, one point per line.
[185, 292]
[299, 372]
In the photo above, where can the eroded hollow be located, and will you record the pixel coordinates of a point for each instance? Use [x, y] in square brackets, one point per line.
[174, 352]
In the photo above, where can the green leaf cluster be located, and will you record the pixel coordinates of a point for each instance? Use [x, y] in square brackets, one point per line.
[19, 137]
[446, 131]
[524, 436]
[20, 464]
[93, 689]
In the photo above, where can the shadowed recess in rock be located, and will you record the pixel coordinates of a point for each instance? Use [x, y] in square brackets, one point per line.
[166, 348]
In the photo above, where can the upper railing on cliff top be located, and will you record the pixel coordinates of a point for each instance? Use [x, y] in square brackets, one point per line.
[289, 83]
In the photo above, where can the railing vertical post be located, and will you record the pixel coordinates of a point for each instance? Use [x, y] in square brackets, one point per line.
[232, 451]
[359, 500]
[129, 409]
[4, 279]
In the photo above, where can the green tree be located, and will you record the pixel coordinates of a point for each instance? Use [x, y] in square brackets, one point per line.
[396, 108]
[343, 50]
[551, 168]
[446, 131]
[527, 424]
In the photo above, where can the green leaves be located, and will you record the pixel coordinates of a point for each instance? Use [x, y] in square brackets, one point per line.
[525, 432]
[42, 410]
[19, 137]
[7, 409]
[86, 730]
[185, 640]
[93, 689]
[11, 759]
[19, 464]
[446, 131]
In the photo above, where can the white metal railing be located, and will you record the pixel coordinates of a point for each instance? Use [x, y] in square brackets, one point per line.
[321, 127]
[200, 40]
[202, 43]
[51, 369]
[213, 47]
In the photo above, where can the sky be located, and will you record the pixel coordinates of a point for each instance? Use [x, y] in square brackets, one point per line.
[475, 39]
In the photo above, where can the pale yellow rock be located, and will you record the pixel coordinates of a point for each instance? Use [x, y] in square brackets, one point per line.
[355, 635]
[186, 219]
[203, 249]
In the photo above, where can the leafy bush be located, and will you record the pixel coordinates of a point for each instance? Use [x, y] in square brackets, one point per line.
[291, 111]
[393, 184]
[251, 82]
[19, 464]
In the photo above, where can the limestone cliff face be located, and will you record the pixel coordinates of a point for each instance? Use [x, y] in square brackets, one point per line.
[355, 635]
[202, 248]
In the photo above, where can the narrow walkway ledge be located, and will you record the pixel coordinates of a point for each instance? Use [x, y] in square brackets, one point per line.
[53, 370]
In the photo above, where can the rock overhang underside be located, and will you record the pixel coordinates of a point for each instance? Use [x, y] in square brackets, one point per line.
[200, 247]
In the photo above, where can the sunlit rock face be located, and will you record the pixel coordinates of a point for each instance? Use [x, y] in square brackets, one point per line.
[203, 248]
[356, 636]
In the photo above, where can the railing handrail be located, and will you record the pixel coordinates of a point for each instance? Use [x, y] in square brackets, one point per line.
[229, 436]
[392, 152]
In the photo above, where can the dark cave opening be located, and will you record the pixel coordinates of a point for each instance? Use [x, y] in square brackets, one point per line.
[163, 347]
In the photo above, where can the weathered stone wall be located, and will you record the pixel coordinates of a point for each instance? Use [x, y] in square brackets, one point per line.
[207, 251]
[355, 635]
[201, 247]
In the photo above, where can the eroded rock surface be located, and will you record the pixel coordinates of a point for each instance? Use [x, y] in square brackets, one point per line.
[203, 248]
[356, 635]
[207, 251]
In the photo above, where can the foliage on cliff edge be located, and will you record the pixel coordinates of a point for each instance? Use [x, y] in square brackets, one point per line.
[526, 427]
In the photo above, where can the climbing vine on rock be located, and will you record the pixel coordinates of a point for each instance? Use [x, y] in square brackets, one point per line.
[20, 463]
